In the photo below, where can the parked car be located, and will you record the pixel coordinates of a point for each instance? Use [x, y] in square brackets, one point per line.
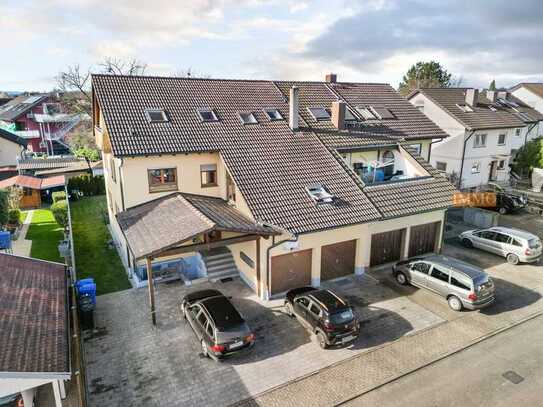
[513, 244]
[463, 285]
[506, 201]
[14, 400]
[217, 324]
[323, 313]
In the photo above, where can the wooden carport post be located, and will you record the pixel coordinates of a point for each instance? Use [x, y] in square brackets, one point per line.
[258, 278]
[151, 289]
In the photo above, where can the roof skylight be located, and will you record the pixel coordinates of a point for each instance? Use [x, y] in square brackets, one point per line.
[319, 113]
[207, 115]
[366, 113]
[247, 118]
[349, 116]
[156, 116]
[273, 114]
[465, 108]
[382, 113]
[319, 194]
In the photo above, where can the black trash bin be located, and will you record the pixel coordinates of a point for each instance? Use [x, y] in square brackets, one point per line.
[86, 312]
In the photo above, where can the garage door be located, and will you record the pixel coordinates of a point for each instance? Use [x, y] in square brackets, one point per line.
[386, 247]
[290, 271]
[337, 260]
[422, 238]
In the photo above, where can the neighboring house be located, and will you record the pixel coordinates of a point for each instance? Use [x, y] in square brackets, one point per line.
[34, 327]
[483, 132]
[78, 168]
[281, 183]
[531, 94]
[34, 188]
[11, 148]
[41, 120]
[35, 166]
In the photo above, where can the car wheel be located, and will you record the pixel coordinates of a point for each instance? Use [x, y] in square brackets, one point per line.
[512, 259]
[183, 311]
[288, 309]
[321, 340]
[401, 278]
[502, 211]
[467, 243]
[204, 349]
[454, 303]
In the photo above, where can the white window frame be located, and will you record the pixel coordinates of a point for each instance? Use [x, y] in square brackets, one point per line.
[504, 139]
[501, 167]
[215, 117]
[441, 162]
[476, 168]
[483, 137]
[161, 111]
[280, 116]
[250, 115]
[518, 132]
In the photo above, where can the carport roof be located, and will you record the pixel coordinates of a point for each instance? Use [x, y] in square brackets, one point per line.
[153, 227]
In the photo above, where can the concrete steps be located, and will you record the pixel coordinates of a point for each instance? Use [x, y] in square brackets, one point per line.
[219, 264]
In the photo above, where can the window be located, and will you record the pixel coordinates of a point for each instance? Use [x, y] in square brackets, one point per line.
[365, 112]
[465, 108]
[382, 113]
[27, 192]
[440, 274]
[501, 164]
[315, 310]
[247, 260]
[501, 139]
[488, 235]
[388, 160]
[349, 116]
[112, 169]
[304, 301]
[441, 166]
[164, 179]
[51, 108]
[501, 238]
[247, 118]
[202, 319]
[208, 175]
[476, 168]
[517, 132]
[319, 113]
[230, 188]
[479, 140]
[209, 329]
[319, 194]
[416, 147]
[207, 115]
[420, 107]
[515, 242]
[460, 284]
[156, 116]
[423, 268]
[273, 114]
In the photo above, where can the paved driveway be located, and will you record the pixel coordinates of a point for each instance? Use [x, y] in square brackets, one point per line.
[130, 363]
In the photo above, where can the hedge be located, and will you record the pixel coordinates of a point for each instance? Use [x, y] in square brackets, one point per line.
[58, 196]
[86, 185]
[14, 216]
[60, 212]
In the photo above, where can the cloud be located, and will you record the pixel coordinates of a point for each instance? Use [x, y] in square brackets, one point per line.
[480, 40]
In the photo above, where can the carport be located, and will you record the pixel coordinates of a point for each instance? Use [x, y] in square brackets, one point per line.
[182, 223]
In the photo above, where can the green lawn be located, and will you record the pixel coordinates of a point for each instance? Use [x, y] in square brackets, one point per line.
[92, 256]
[23, 216]
[45, 234]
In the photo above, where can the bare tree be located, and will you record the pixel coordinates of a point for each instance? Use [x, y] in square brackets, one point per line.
[116, 66]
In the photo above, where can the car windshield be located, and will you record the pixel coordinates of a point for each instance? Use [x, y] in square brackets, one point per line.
[534, 243]
[342, 317]
[483, 283]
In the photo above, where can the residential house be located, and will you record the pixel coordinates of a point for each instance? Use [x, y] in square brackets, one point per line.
[34, 189]
[34, 327]
[41, 120]
[484, 130]
[531, 94]
[281, 183]
[11, 148]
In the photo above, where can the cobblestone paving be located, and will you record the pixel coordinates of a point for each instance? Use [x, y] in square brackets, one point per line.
[130, 363]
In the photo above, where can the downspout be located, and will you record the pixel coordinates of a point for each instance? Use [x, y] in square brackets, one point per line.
[268, 271]
[430, 148]
[121, 178]
[463, 156]
[528, 132]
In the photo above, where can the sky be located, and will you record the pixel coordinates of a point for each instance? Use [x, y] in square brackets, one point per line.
[364, 41]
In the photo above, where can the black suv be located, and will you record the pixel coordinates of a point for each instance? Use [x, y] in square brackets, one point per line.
[506, 201]
[219, 327]
[324, 314]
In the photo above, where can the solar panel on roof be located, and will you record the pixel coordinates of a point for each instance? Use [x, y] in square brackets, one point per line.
[32, 99]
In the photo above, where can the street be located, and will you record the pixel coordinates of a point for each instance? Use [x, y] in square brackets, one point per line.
[474, 376]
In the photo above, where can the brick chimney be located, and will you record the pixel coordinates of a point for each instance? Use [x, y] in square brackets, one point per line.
[330, 78]
[338, 115]
[293, 108]
[491, 95]
[502, 94]
[472, 97]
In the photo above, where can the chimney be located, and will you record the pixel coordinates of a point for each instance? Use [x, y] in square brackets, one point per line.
[492, 95]
[338, 115]
[330, 78]
[502, 95]
[472, 96]
[293, 108]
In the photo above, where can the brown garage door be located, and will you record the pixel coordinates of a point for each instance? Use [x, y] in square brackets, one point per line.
[386, 247]
[422, 238]
[337, 260]
[290, 271]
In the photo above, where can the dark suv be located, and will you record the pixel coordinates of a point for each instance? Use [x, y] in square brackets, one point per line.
[324, 314]
[219, 327]
[506, 201]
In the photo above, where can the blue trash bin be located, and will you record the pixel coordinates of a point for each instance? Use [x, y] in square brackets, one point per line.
[88, 289]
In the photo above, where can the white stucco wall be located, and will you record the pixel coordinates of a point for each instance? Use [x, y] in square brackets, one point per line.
[530, 98]
[9, 151]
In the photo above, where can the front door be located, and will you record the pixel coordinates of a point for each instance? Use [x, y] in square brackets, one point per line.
[493, 175]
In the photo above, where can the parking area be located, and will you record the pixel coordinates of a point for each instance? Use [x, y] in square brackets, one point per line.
[131, 363]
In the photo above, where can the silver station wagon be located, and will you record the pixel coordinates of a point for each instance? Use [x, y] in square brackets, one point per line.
[513, 244]
[461, 284]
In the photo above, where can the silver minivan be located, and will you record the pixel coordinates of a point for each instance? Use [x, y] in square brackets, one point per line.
[513, 244]
[463, 285]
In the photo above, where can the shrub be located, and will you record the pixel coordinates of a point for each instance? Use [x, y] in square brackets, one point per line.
[4, 207]
[60, 212]
[14, 216]
[86, 185]
[58, 196]
[530, 156]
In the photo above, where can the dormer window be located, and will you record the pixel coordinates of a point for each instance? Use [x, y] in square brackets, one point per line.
[319, 194]
[365, 112]
[319, 113]
[247, 118]
[273, 114]
[156, 116]
[207, 115]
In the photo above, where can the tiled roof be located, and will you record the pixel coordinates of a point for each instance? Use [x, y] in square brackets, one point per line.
[26, 181]
[530, 114]
[168, 221]
[48, 163]
[34, 328]
[535, 87]
[7, 135]
[481, 118]
[19, 105]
